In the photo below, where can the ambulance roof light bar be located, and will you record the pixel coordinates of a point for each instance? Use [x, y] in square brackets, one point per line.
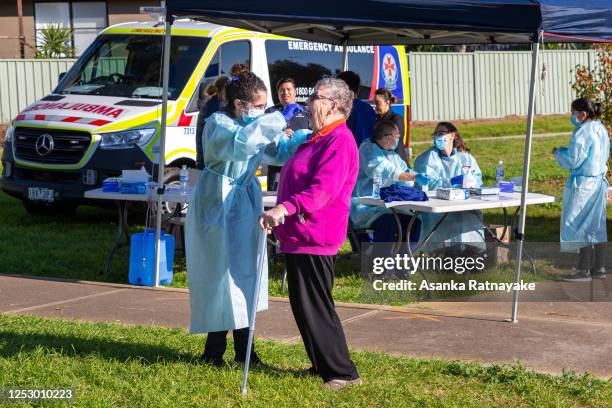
[156, 13]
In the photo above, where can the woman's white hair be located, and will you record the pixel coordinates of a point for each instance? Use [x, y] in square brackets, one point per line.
[339, 91]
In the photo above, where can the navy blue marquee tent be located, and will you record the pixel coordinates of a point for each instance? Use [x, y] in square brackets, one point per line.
[381, 22]
[369, 22]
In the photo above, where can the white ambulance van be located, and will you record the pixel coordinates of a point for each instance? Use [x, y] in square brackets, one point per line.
[104, 115]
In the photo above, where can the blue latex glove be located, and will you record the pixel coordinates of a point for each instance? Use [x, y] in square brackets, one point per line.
[291, 109]
[422, 179]
[457, 180]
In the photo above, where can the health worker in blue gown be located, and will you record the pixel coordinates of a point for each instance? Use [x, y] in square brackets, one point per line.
[378, 157]
[583, 218]
[445, 164]
[222, 228]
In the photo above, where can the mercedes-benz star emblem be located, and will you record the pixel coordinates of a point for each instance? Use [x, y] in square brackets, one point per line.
[44, 144]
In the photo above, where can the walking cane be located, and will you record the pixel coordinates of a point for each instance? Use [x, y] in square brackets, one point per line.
[261, 257]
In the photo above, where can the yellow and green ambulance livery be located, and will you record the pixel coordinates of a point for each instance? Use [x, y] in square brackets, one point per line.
[104, 115]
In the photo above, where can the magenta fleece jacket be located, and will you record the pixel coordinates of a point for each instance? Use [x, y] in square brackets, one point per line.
[316, 185]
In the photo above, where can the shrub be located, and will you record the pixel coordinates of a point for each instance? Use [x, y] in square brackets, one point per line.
[595, 83]
[55, 42]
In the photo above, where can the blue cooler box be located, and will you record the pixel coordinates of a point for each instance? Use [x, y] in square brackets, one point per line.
[142, 259]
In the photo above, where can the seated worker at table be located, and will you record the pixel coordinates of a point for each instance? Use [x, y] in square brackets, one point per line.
[444, 164]
[377, 155]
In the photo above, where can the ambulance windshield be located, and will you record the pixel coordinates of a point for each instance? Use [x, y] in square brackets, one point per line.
[130, 66]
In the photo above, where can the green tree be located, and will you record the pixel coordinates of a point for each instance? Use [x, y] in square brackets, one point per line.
[55, 42]
[595, 83]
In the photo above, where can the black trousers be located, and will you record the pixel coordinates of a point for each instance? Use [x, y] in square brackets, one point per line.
[273, 173]
[311, 278]
[216, 343]
[593, 258]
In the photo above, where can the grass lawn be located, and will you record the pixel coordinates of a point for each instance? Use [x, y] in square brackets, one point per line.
[75, 246]
[421, 131]
[113, 365]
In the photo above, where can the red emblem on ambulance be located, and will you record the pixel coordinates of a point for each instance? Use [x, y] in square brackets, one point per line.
[389, 71]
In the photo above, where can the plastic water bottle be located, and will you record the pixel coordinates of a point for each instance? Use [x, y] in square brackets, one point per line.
[377, 183]
[499, 172]
[184, 177]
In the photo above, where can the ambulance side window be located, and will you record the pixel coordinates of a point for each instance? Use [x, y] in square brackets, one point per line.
[307, 62]
[235, 52]
[213, 67]
[361, 61]
[228, 54]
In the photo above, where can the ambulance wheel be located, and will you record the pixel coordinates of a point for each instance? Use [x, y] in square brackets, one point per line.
[171, 176]
[36, 208]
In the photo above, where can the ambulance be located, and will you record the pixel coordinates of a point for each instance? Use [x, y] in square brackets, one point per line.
[104, 114]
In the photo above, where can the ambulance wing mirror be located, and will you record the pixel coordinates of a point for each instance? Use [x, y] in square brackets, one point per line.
[61, 76]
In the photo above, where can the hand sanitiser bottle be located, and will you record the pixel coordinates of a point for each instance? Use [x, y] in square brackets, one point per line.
[184, 178]
[376, 184]
[499, 172]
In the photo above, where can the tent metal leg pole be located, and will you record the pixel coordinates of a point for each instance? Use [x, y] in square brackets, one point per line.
[535, 48]
[344, 57]
[162, 143]
[261, 259]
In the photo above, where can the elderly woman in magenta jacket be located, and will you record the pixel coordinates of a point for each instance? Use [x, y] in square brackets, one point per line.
[311, 221]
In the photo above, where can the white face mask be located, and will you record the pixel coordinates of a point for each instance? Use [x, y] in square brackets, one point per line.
[250, 115]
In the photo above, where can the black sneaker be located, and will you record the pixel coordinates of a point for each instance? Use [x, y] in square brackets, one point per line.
[579, 276]
[599, 273]
[214, 361]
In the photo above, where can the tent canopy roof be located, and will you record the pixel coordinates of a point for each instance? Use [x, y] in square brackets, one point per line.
[361, 22]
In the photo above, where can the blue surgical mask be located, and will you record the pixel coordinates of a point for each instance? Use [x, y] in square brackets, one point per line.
[251, 115]
[440, 142]
[575, 121]
[396, 144]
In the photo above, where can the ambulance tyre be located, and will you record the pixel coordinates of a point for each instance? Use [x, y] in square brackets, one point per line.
[36, 208]
[171, 176]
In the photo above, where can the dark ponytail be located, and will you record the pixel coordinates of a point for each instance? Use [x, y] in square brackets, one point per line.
[458, 142]
[592, 109]
[387, 95]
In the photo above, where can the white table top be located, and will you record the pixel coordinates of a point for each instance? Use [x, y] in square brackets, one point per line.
[436, 205]
[171, 195]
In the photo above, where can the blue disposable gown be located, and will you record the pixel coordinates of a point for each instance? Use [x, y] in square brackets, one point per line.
[373, 159]
[279, 152]
[459, 227]
[221, 229]
[583, 218]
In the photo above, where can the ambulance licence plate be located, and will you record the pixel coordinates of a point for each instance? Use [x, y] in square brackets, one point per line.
[41, 194]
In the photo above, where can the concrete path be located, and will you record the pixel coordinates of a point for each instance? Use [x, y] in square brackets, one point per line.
[549, 337]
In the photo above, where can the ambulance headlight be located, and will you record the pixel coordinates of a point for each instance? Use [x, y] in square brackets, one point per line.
[8, 137]
[126, 139]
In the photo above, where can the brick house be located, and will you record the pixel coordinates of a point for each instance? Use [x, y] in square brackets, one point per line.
[85, 17]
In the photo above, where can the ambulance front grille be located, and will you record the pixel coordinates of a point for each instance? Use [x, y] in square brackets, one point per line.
[58, 147]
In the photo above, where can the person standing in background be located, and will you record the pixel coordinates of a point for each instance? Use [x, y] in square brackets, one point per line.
[362, 118]
[214, 103]
[583, 218]
[296, 116]
[383, 99]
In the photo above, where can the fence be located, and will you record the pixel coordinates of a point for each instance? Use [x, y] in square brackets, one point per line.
[24, 81]
[443, 85]
[490, 84]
